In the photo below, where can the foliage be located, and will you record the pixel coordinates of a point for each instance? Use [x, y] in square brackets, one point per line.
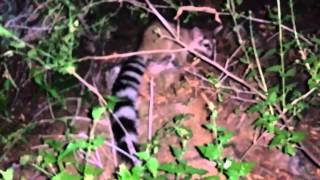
[214, 151]
[51, 64]
[7, 174]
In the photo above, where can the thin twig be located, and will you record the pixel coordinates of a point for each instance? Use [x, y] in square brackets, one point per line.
[256, 57]
[162, 19]
[125, 55]
[208, 10]
[150, 116]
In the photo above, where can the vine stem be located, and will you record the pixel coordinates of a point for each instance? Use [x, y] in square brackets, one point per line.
[283, 80]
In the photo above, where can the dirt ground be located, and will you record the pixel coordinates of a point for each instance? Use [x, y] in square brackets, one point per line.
[30, 107]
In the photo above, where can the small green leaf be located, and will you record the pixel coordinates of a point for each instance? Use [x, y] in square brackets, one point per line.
[18, 44]
[153, 165]
[246, 167]
[144, 155]
[138, 171]
[97, 112]
[32, 54]
[72, 147]
[65, 175]
[5, 33]
[279, 139]
[275, 68]
[270, 52]
[213, 80]
[180, 117]
[257, 107]
[177, 152]
[211, 178]
[225, 138]
[53, 92]
[239, 2]
[192, 170]
[56, 145]
[92, 171]
[112, 101]
[211, 151]
[297, 137]
[290, 149]
[290, 72]
[124, 173]
[25, 159]
[98, 141]
[172, 168]
[48, 158]
[68, 68]
[209, 126]
[7, 174]
[272, 98]
[235, 169]
[183, 132]
[38, 76]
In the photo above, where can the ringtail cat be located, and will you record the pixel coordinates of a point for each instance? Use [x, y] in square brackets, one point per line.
[125, 116]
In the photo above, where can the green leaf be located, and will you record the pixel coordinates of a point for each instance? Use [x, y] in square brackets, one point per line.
[91, 170]
[98, 141]
[290, 72]
[213, 80]
[153, 165]
[211, 178]
[214, 112]
[97, 112]
[257, 107]
[63, 175]
[49, 158]
[272, 98]
[312, 83]
[177, 152]
[56, 145]
[290, 149]
[7, 174]
[270, 52]
[32, 53]
[112, 101]
[5, 33]
[225, 138]
[53, 92]
[25, 159]
[234, 169]
[138, 171]
[124, 173]
[144, 155]
[172, 168]
[210, 126]
[192, 170]
[211, 151]
[38, 76]
[275, 68]
[246, 167]
[180, 117]
[297, 137]
[18, 44]
[68, 68]
[279, 139]
[72, 147]
[183, 132]
[239, 2]
[290, 87]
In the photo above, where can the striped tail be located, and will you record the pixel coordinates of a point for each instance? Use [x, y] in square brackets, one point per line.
[125, 120]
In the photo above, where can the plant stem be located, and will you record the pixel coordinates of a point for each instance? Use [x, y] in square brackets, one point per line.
[283, 80]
